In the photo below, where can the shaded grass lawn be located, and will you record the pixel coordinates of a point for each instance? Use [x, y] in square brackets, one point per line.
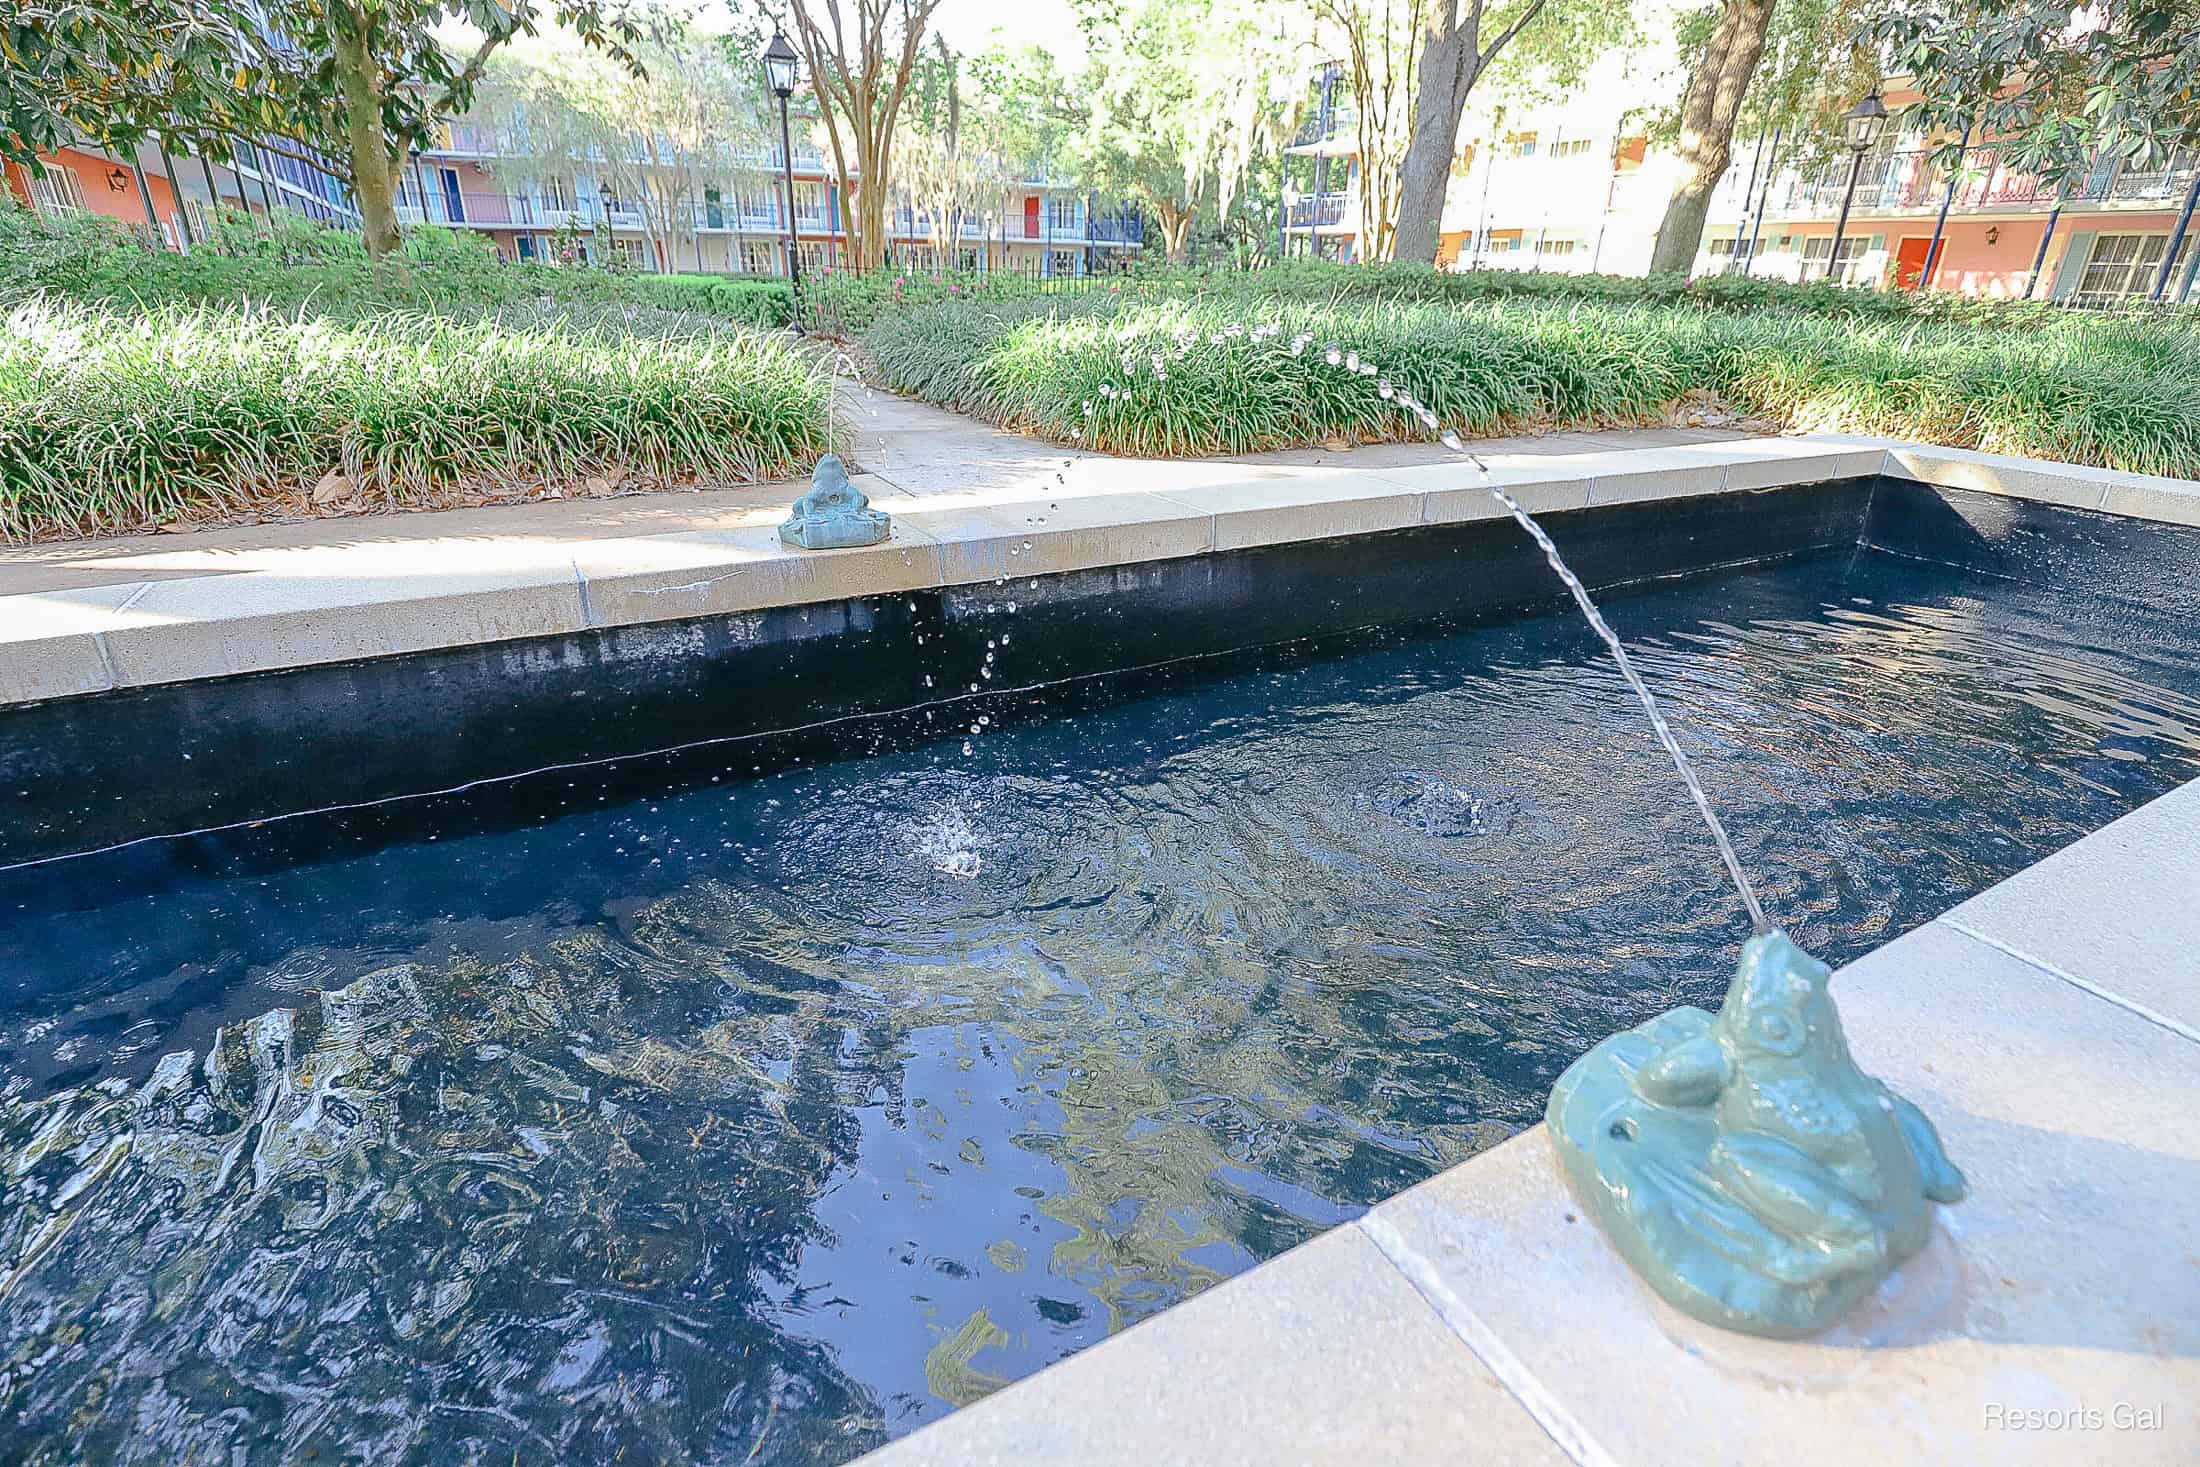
[1211, 376]
[140, 388]
[111, 421]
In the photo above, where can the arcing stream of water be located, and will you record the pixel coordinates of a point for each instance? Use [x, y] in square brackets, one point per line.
[1352, 364]
[1758, 921]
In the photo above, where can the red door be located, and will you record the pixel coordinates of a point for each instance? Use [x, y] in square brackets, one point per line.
[1909, 261]
[1031, 218]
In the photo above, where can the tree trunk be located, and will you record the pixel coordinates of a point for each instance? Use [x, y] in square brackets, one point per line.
[1452, 61]
[1176, 233]
[1449, 65]
[1708, 112]
[370, 153]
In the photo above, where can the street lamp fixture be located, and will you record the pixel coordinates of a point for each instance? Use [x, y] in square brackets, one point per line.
[780, 64]
[1863, 123]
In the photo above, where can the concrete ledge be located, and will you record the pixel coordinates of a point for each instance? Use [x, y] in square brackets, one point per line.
[2065, 1286]
[2137, 496]
[220, 613]
[1330, 1328]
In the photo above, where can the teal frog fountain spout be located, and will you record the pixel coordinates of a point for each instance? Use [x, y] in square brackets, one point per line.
[1743, 1164]
[835, 514]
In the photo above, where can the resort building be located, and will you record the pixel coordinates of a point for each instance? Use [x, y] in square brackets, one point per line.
[1575, 186]
[1041, 225]
[170, 196]
[2095, 240]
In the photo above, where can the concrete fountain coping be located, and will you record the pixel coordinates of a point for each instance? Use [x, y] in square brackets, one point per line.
[156, 616]
[2051, 1028]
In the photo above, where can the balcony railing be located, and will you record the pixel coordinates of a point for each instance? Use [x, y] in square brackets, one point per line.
[1341, 121]
[806, 158]
[1316, 211]
[514, 210]
[1909, 180]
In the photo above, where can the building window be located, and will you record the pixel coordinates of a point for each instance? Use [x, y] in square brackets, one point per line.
[1066, 262]
[1524, 146]
[1062, 216]
[57, 191]
[1574, 148]
[2123, 266]
[1815, 251]
[758, 258]
[1734, 251]
[1555, 246]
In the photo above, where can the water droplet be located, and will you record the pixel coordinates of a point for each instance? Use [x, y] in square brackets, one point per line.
[1384, 390]
[966, 747]
[1333, 356]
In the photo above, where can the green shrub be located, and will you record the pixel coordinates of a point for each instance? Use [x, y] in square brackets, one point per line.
[849, 305]
[294, 265]
[753, 302]
[1212, 373]
[113, 418]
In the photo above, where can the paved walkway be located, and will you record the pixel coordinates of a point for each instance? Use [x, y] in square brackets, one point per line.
[904, 452]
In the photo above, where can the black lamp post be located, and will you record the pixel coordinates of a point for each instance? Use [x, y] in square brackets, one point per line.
[779, 71]
[1864, 122]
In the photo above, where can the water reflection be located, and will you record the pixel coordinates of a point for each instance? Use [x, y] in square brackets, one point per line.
[763, 1121]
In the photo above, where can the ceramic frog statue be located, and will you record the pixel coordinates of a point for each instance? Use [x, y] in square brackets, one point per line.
[835, 514]
[1743, 1164]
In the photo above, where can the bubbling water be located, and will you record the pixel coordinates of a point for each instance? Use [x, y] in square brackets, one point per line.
[1353, 364]
[1350, 362]
[1758, 921]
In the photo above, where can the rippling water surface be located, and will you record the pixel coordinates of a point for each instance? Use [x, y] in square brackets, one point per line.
[764, 1119]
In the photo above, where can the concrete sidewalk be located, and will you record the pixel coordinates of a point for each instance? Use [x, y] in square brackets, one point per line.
[903, 452]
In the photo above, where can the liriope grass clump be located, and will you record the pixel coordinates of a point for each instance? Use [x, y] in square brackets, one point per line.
[1192, 378]
[1206, 376]
[112, 419]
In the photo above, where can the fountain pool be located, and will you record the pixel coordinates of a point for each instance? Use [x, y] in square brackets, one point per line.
[745, 1105]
